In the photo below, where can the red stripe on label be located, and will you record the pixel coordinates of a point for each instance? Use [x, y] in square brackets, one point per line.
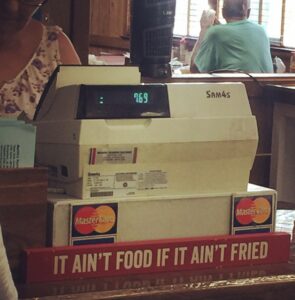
[92, 156]
[134, 155]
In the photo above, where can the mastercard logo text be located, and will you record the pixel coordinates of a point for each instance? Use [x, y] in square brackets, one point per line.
[250, 210]
[89, 219]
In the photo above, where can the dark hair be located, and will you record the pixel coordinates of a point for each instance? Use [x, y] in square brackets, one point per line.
[38, 15]
[233, 10]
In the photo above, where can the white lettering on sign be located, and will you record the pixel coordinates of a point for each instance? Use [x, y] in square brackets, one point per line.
[179, 256]
[208, 253]
[85, 263]
[59, 264]
[106, 256]
[162, 256]
[249, 251]
[202, 254]
[134, 259]
[155, 258]
[222, 248]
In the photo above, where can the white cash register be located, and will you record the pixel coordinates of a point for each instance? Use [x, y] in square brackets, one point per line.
[159, 151]
[111, 136]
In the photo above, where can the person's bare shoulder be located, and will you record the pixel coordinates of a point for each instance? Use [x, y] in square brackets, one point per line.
[68, 53]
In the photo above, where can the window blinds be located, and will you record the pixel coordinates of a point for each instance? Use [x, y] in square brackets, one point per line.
[188, 15]
[276, 16]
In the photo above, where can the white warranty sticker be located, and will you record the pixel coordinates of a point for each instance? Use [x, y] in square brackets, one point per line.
[112, 156]
[124, 183]
[151, 180]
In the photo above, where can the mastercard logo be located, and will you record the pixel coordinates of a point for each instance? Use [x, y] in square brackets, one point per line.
[89, 219]
[250, 210]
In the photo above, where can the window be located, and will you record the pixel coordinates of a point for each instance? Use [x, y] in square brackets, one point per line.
[188, 15]
[276, 16]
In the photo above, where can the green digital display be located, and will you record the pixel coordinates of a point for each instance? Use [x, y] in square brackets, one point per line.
[141, 97]
[123, 101]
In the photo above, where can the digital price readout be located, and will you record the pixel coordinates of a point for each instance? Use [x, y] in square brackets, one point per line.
[123, 101]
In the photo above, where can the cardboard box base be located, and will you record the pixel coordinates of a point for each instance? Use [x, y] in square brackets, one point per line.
[143, 218]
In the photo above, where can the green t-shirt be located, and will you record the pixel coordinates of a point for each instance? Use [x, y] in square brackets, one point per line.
[241, 45]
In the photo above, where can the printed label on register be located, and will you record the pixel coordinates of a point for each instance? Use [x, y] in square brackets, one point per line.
[112, 156]
[124, 183]
[154, 179]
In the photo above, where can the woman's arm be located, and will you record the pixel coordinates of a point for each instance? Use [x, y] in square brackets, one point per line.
[68, 54]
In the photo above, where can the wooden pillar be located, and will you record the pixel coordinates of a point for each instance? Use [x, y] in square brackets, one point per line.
[73, 17]
[213, 4]
[80, 28]
[57, 12]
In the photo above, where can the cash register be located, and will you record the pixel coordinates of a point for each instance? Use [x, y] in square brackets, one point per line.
[167, 157]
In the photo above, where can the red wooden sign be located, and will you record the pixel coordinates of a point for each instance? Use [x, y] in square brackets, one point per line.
[62, 263]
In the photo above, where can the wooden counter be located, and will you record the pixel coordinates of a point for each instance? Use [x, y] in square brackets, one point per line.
[23, 205]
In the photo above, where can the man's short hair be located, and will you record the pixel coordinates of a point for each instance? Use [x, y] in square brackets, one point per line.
[235, 8]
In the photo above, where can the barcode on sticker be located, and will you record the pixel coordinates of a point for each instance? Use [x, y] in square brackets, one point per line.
[101, 194]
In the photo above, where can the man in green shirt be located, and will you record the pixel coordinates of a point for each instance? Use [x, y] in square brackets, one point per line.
[238, 45]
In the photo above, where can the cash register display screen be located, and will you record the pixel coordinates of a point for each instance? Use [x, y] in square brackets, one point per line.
[123, 101]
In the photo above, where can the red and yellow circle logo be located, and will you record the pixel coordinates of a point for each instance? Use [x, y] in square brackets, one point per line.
[88, 219]
[249, 210]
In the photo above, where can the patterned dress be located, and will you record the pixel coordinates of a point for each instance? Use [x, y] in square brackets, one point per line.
[23, 93]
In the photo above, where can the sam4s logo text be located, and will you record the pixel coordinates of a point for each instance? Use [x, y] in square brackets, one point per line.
[218, 95]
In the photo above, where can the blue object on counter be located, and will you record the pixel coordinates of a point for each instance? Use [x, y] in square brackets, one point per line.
[17, 144]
